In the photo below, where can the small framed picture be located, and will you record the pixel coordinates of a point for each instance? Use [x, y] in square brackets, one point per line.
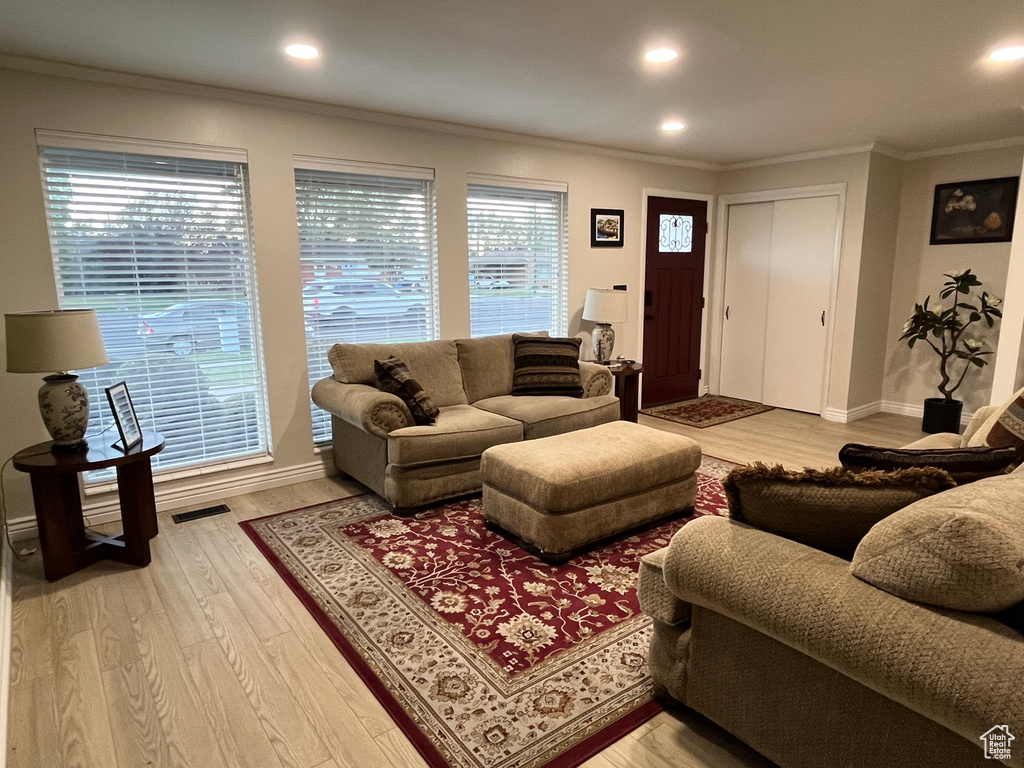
[124, 416]
[974, 211]
[606, 227]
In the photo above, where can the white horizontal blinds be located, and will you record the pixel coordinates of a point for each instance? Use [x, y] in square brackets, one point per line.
[160, 247]
[367, 244]
[518, 259]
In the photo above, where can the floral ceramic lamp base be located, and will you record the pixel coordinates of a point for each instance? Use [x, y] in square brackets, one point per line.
[64, 405]
[604, 341]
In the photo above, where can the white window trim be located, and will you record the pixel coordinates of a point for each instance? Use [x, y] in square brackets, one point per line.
[68, 140]
[312, 163]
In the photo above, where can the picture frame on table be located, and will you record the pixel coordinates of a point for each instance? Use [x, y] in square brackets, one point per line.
[606, 227]
[123, 410]
[974, 211]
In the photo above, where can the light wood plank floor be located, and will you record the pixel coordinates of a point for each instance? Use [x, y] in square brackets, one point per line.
[205, 658]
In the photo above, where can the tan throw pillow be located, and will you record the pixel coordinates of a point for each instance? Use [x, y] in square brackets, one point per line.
[830, 509]
[962, 549]
[1008, 429]
[392, 376]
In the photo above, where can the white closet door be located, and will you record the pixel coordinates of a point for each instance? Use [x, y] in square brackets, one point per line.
[748, 252]
[803, 244]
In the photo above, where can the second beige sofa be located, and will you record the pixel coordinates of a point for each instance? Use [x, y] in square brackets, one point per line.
[376, 441]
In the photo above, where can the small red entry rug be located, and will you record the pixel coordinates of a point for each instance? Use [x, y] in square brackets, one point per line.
[707, 411]
[482, 654]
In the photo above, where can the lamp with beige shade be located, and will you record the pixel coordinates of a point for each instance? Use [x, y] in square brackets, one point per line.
[57, 342]
[603, 307]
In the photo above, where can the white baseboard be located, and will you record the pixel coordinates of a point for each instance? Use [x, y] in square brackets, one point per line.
[6, 607]
[844, 417]
[917, 410]
[204, 488]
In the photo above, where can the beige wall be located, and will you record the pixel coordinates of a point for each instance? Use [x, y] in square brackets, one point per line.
[911, 375]
[881, 222]
[271, 136]
[851, 170]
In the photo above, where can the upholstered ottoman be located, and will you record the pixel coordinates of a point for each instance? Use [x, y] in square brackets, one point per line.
[556, 495]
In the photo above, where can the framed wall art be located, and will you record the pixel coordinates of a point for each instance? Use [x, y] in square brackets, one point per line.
[974, 211]
[606, 227]
[124, 416]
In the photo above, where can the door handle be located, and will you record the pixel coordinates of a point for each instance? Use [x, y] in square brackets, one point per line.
[727, 313]
[823, 318]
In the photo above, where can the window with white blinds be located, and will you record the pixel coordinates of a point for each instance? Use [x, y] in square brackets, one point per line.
[161, 248]
[518, 259]
[368, 249]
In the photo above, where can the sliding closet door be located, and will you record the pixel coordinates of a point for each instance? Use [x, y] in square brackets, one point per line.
[748, 247]
[803, 244]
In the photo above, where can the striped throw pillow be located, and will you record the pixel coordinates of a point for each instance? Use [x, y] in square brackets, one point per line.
[1009, 429]
[393, 376]
[546, 366]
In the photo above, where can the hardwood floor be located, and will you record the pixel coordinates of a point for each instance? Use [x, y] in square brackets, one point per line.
[205, 659]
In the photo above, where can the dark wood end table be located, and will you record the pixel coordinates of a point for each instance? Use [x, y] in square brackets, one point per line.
[66, 545]
[627, 389]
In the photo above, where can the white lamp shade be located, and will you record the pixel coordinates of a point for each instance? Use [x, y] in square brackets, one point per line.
[59, 340]
[606, 306]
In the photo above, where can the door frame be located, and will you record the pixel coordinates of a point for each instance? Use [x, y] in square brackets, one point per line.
[717, 299]
[638, 299]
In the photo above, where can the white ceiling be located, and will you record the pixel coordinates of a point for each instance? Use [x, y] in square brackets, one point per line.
[756, 79]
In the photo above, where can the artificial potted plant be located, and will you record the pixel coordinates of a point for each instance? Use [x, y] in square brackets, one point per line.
[943, 330]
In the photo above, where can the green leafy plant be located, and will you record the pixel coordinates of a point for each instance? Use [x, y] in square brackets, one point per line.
[943, 328]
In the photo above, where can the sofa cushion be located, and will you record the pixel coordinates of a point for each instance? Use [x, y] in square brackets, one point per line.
[831, 509]
[393, 376]
[546, 366]
[486, 363]
[961, 549]
[545, 415]
[434, 364]
[965, 465]
[460, 432]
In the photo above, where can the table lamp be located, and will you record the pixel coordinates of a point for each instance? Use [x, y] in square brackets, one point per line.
[58, 341]
[604, 307]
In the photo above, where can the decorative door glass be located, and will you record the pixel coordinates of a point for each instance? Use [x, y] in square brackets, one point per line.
[675, 233]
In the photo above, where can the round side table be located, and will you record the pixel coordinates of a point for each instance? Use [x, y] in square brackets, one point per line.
[66, 545]
[627, 389]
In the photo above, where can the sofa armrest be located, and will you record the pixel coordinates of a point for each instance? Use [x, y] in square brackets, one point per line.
[655, 599]
[937, 440]
[980, 417]
[363, 406]
[595, 379]
[961, 670]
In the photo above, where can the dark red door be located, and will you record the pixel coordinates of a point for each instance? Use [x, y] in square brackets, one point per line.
[673, 298]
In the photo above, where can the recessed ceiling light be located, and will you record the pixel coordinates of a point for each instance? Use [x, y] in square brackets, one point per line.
[1009, 53]
[303, 51]
[661, 55]
[672, 125]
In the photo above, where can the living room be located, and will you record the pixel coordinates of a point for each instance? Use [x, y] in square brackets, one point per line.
[886, 263]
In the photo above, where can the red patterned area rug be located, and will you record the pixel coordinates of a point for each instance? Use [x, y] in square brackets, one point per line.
[483, 655]
[707, 411]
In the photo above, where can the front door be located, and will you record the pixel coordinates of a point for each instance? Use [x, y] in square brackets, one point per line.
[673, 298]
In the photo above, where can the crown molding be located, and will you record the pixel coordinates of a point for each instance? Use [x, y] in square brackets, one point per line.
[1011, 141]
[816, 155]
[167, 85]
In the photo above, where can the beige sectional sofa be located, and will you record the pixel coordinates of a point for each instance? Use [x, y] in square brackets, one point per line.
[784, 647]
[377, 442]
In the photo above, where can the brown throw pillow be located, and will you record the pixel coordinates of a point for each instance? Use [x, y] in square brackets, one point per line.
[1009, 429]
[962, 549]
[965, 465]
[829, 509]
[392, 376]
[546, 366]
